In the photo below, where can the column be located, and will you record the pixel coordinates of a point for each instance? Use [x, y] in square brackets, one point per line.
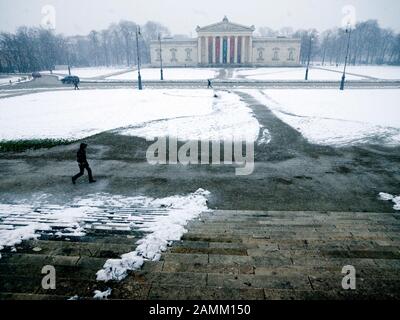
[217, 49]
[251, 49]
[236, 50]
[199, 50]
[206, 55]
[243, 49]
[214, 50]
[221, 50]
[210, 49]
[228, 55]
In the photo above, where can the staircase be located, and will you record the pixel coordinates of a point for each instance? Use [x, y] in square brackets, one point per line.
[277, 255]
[224, 255]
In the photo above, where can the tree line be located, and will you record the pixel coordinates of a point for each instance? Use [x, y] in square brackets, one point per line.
[370, 44]
[35, 49]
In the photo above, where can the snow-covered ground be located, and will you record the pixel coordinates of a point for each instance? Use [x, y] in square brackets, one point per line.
[329, 73]
[288, 74]
[79, 114]
[170, 74]
[379, 72]
[75, 115]
[5, 80]
[21, 222]
[334, 117]
[88, 73]
[229, 118]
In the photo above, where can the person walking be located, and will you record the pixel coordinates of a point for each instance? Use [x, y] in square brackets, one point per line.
[76, 84]
[209, 84]
[83, 164]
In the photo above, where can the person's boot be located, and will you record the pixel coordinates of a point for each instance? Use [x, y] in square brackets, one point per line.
[73, 180]
[92, 181]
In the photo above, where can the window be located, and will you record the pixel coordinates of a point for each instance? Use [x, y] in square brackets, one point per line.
[173, 55]
[188, 54]
[158, 55]
[260, 52]
[291, 54]
[276, 54]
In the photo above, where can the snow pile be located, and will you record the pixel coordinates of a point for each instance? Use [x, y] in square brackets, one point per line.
[230, 118]
[79, 114]
[13, 237]
[102, 295]
[30, 223]
[333, 117]
[163, 230]
[388, 197]
[169, 74]
[21, 222]
[265, 138]
[72, 217]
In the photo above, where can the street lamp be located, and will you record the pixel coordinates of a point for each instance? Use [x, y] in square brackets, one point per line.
[161, 62]
[68, 47]
[309, 56]
[348, 31]
[138, 57]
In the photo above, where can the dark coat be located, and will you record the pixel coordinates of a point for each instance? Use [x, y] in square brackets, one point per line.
[81, 156]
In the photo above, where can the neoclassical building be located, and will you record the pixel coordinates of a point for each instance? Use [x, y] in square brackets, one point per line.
[226, 44]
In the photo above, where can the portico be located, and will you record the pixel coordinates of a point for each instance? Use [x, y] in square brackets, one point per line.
[227, 44]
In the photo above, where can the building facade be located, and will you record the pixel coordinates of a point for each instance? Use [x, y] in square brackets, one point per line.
[226, 44]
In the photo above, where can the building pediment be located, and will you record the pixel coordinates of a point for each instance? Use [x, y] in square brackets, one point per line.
[225, 26]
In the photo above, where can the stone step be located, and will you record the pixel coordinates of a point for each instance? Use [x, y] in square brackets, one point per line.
[244, 215]
[176, 292]
[90, 249]
[65, 287]
[222, 251]
[69, 272]
[179, 267]
[210, 238]
[243, 281]
[29, 297]
[320, 227]
[230, 236]
[40, 260]
[338, 294]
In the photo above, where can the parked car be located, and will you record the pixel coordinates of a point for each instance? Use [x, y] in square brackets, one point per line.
[70, 80]
[36, 75]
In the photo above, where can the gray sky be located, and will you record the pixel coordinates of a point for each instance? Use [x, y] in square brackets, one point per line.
[182, 16]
